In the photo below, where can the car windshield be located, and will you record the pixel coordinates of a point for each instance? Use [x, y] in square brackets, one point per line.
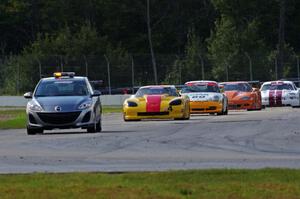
[200, 88]
[277, 87]
[61, 87]
[156, 91]
[237, 87]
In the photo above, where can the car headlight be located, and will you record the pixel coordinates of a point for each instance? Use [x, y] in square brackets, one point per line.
[175, 102]
[246, 98]
[34, 106]
[132, 104]
[216, 98]
[85, 105]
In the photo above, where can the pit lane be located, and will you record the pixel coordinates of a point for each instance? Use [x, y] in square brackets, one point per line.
[255, 139]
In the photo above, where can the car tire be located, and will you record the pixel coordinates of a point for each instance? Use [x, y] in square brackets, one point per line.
[33, 131]
[225, 112]
[92, 129]
[99, 126]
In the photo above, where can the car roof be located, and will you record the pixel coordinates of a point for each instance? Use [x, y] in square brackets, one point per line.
[200, 81]
[159, 86]
[278, 82]
[236, 82]
[65, 78]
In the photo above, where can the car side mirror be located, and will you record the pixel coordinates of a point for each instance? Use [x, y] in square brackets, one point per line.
[96, 93]
[28, 95]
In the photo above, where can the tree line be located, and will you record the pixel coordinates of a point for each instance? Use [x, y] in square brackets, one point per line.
[148, 41]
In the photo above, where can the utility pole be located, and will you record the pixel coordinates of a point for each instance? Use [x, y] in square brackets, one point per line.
[281, 36]
[150, 42]
[108, 74]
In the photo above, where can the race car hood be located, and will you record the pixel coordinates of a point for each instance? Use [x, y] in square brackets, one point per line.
[203, 96]
[153, 103]
[66, 103]
[235, 95]
[278, 93]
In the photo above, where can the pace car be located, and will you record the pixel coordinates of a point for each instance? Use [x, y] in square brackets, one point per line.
[156, 102]
[205, 97]
[242, 96]
[280, 93]
[63, 101]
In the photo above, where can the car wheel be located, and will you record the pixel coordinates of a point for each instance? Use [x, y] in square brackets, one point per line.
[99, 126]
[33, 131]
[225, 112]
[92, 129]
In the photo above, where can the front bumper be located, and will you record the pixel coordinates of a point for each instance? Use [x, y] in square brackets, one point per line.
[136, 113]
[61, 120]
[206, 107]
[241, 104]
[283, 102]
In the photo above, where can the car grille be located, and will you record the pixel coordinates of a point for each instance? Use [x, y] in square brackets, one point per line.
[152, 113]
[211, 108]
[59, 118]
[237, 106]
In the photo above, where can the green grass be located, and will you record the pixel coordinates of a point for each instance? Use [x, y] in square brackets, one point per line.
[231, 184]
[11, 118]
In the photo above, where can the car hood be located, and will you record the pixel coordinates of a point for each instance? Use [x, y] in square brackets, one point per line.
[283, 93]
[66, 103]
[236, 94]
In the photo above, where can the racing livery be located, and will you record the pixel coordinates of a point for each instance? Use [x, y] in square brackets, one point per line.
[242, 96]
[156, 102]
[205, 97]
[280, 93]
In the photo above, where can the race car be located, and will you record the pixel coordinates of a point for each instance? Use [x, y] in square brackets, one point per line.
[205, 97]
[242, 96]
[280, 93]
[63, 101]
[156, 102]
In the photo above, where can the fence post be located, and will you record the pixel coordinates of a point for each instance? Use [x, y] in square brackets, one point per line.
[108, 73]
[298, 70]
[86, 66]
[202, 67]
[250, 65]
[276, 68]
[132, 73]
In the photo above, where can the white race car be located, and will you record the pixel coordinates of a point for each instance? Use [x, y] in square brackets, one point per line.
[280, 93]
[205, 97]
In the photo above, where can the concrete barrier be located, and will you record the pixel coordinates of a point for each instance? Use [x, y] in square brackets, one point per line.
[107, 100]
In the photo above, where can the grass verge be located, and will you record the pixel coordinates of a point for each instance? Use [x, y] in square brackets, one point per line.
[265, 183]
[11, 118]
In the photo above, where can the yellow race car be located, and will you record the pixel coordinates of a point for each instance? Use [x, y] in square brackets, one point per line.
[205, 97]
[156, 102]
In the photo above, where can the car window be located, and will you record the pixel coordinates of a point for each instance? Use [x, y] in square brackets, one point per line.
[238, 87]
[62, 88]
[200, 88]
[156, 91]
[277, 87]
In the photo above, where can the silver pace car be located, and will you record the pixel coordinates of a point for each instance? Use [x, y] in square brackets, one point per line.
[61, 102]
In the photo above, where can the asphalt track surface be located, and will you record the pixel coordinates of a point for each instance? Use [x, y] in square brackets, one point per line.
[256, 139]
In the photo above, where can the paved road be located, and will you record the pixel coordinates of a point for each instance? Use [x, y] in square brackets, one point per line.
[258, 139]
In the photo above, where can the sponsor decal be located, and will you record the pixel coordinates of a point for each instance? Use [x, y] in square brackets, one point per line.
[278, 98]
[198, 97]
[271, 97]
[153, 103]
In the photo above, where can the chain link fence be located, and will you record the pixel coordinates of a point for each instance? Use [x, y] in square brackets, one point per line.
[125, 75]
